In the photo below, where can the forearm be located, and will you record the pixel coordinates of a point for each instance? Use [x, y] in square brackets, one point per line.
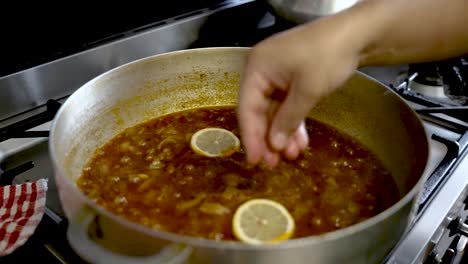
[410, 31]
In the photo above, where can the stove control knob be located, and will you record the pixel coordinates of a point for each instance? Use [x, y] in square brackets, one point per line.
[454, 226]
[464, 259]
[466, 203]
[433, 258]
[461, 257]
[451, 252]
[463, 228]
[449, 256]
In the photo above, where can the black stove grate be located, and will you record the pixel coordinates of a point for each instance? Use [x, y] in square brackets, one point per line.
[455, 148]
[435, 106]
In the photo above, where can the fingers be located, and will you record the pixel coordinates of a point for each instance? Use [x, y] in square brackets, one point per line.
[292, 150]
[288, 127]
[258, 112]
[301, 136]
[297, 143]
[252, 120]
[253, 114]
[271, 158]
[271, 125]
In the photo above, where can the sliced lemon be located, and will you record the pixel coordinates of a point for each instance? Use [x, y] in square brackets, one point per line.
[214, 142]
[262, 221]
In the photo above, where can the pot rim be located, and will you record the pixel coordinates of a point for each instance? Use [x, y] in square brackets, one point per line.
[209, 243]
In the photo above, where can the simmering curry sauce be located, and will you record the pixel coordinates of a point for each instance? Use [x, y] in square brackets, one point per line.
[150, 175]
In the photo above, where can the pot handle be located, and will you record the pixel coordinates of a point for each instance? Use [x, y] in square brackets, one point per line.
[77, 234]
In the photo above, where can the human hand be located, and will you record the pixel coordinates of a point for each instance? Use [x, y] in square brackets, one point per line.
[284, 78]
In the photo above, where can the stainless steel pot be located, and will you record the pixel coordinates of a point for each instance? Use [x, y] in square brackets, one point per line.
[170, 82]
[301, 11]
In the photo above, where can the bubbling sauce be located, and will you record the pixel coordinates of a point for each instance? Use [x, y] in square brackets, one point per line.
[149, 174]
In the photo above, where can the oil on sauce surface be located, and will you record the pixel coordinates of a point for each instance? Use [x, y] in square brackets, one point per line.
[150, 175]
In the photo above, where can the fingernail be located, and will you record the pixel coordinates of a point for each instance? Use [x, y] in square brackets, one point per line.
[292, 151]
[252, 159]
[271, 159]
[279, 141]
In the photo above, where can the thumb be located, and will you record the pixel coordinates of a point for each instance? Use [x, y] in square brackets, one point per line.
[287, 120]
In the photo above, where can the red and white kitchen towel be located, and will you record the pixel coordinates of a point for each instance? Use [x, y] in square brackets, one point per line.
[21, 210]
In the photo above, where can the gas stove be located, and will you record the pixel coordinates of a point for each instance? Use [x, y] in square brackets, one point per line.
[438, 233]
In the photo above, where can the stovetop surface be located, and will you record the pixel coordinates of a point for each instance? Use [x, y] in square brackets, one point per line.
[217, 26]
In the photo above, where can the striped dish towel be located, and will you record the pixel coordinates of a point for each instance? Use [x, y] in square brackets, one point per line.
[21, 210]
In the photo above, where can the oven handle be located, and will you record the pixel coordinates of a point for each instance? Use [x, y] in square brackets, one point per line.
[77, 234]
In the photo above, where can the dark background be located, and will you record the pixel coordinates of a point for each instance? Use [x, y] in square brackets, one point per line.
[35, 33]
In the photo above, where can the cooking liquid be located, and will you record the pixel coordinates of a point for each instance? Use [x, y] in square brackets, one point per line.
[150, 175]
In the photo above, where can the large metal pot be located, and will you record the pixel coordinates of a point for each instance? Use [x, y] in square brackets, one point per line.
[171, 82]
[301, 11]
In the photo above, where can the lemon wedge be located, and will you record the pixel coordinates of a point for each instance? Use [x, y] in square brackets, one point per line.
[214, 142]
[262, 221]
